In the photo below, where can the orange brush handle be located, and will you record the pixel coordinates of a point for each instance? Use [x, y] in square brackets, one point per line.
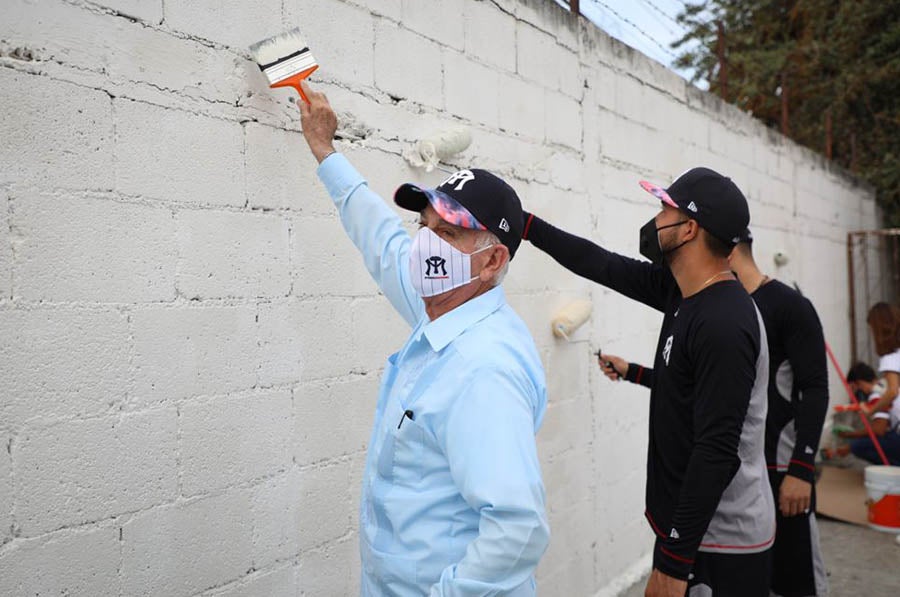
[294, 81]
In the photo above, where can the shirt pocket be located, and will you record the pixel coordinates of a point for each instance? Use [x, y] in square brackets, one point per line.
[400, 460]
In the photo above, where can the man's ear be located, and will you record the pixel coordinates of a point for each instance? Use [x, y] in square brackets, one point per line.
[691, 230]
[498, 257]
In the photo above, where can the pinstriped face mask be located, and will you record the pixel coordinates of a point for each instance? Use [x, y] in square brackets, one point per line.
[436, 266]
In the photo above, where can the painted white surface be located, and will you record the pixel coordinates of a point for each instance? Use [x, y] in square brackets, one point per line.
[189, 346]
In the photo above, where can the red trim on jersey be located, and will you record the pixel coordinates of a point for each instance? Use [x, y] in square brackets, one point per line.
[675, 557]
[758, 545]
[801, 463]
[653, 524]
[527, 226]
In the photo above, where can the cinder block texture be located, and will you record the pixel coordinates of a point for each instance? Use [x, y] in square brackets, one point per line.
[84, 471]
[150, 11]
[60, 363]
[419, 80]
[490, 35]
[226, 441]
[215, 20]
[160, 547]
[6, 257]
[6, 489]
[170, 155]
[275, 506]
[351, 60]
[68, 563]
[318, 403]
[229, 254]
[188, 352]
[280, 581]
[190, 346]
[86, 249]
[54, 133]
[280, 171]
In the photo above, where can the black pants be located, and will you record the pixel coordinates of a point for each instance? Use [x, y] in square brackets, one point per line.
[798, 569]
[730, 575]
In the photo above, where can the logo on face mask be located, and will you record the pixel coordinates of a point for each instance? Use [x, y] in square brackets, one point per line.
[428, 259]
[433, 264]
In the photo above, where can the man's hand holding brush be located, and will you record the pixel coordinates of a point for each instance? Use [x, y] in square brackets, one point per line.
[319, 122]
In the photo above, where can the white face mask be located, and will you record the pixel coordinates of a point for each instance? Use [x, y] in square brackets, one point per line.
[436, 266]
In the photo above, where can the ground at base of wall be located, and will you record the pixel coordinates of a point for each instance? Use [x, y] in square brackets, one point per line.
[859, 561]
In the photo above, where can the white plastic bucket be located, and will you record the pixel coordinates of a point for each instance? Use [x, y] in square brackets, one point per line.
[883, 487]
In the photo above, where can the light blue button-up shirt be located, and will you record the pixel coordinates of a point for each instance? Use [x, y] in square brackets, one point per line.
[452, 498]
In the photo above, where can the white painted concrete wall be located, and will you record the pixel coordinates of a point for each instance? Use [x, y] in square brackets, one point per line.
[189, 347]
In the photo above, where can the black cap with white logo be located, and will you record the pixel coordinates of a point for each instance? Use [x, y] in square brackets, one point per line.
[474, 199]
[713, 200]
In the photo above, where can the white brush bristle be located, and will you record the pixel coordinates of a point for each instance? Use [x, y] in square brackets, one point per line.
[270, 50]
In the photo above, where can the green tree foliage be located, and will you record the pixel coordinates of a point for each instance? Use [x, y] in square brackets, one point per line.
[824, 72]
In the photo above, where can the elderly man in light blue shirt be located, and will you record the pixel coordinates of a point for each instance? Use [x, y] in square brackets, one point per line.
[452, 497]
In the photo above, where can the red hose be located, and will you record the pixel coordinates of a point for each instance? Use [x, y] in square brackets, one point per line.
[862, 415]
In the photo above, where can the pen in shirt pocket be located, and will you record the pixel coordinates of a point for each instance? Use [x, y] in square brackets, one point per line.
[406, 413]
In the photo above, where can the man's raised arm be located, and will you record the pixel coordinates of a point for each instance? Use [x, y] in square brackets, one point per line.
[370, 223]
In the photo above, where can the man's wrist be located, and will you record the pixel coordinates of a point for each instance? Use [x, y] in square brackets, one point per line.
[323, 152]
[801, 470]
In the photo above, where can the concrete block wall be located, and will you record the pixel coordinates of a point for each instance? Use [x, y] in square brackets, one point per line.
[190, 347]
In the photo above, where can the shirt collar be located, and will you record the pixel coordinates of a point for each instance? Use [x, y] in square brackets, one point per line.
[445, 329]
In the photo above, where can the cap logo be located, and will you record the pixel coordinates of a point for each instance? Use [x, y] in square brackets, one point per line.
[461, 177]
[692, 206]
[504, 225]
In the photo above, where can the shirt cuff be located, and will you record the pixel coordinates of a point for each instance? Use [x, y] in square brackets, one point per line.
[802, 470]
[339, 176]
[635, 373]
[670, 563]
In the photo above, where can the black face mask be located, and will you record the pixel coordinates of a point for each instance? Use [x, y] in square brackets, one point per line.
[649, 241]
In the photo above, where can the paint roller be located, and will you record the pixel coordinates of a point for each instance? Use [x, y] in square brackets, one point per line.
[285, 60]
[570, 318]
[438, 147]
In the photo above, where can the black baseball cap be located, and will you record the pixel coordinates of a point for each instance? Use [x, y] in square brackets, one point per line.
[713, 200]
[474, 199]
[746, 237]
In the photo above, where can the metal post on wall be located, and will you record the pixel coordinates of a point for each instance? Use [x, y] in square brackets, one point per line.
[886, 285]
[895, 266]
[850, 279]
[573, 6]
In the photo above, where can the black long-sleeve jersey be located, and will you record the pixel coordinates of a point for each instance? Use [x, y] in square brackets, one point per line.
[798, 379]
[707, 487]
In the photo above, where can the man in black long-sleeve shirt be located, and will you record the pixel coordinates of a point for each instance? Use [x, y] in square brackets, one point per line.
[708, 495]
[798, 403]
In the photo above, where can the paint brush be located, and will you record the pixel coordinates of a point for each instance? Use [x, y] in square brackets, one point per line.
[285, 60]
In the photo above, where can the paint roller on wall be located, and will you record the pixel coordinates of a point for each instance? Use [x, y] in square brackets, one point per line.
[438, 147]
[570, 318]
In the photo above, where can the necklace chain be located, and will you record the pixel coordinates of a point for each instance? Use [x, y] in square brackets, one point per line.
[765, 279]
[714, 276]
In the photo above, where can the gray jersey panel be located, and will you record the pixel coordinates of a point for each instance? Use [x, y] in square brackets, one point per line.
[745, 518]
